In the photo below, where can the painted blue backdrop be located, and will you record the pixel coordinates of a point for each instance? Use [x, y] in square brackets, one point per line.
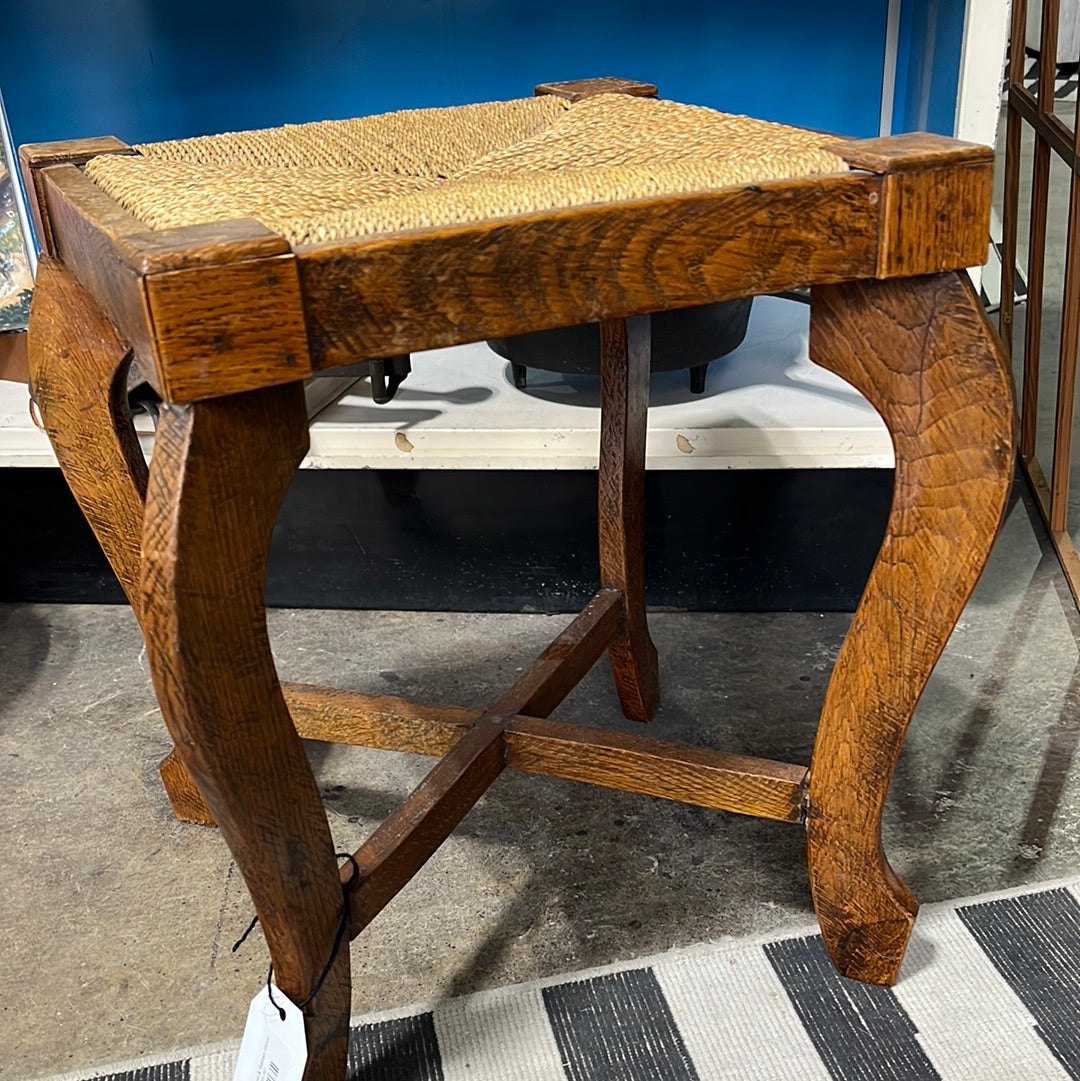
[154, 69]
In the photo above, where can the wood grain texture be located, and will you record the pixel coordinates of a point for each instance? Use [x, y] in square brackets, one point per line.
[185, 799]
[215, 243]
[87, 229]
[405, 292]
[628, 763]
[14, 366]
[660, 768]
[385, 722]
[923, 353]
[215, 312]
[209, 309]
[399, 293]
[35, 158]
[229, 328]
[406, 840]
[410, 836]
[78, 370]
[935, 200]
[625, 366]
[208, 521]
[579, 89]
[914, 151]
[935, 220]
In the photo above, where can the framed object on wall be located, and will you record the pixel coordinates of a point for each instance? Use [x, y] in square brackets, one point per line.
[16, 267]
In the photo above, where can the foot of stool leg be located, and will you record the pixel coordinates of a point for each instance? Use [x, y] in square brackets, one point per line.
[219, 472]
[184, 798]
[921, 350]
[624, 378]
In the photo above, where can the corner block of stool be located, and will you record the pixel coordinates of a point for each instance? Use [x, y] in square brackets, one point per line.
[579, 89]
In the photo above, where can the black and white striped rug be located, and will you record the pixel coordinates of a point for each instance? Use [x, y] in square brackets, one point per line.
[990, 989]
[1065, 78]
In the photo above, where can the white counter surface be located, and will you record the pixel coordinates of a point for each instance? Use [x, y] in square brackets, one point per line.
[765, 406]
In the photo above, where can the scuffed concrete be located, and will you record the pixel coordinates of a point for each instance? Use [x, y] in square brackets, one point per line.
[116, 922]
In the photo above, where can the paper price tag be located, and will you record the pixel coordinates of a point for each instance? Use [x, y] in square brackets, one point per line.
[272, 1049]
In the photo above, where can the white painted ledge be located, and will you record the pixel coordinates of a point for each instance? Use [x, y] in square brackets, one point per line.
[765, 407]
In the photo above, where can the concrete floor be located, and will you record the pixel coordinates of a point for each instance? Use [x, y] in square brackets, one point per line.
[116, 922]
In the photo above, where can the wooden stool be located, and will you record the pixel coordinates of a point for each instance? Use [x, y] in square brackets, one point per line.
[572, 210]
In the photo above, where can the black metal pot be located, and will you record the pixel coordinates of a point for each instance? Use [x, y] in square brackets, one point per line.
[683, 338]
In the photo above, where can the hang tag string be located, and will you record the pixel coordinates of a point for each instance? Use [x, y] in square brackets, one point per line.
[343, 924]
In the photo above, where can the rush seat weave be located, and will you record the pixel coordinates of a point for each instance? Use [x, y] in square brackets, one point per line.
[336, 179]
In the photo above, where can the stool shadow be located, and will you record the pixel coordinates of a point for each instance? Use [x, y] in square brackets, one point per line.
[406, 407]
[671, 388]
[24, 649]
[620, 874]
[609, 891]
[957, 771]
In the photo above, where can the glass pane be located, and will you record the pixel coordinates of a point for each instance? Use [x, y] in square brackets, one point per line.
[1068, 43]
[1057, 222]
[1023, 225]
[1033, 45]
[15, 271]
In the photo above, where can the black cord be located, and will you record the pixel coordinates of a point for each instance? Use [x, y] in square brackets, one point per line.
[243, 938]
[343, 924]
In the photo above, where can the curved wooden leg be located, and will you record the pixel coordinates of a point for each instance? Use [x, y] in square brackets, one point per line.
[624, 376]
[219, 472]
[78, 372]
[923, 353]
[78, 378]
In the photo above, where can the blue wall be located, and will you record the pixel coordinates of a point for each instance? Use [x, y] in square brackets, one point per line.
[155, 69]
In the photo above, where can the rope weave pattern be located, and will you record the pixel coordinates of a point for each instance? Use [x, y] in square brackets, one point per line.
[332, 180]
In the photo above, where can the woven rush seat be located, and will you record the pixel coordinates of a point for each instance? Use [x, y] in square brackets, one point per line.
[233, 267]
[336, 179]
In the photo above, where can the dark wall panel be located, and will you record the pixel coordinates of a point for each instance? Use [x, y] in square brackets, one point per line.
[734, 540]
